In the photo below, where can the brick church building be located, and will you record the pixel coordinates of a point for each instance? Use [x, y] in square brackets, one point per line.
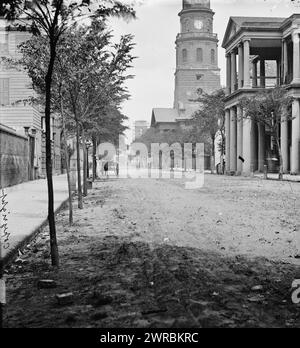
[196, 65]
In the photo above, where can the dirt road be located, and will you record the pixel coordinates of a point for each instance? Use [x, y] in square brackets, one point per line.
[148, 253]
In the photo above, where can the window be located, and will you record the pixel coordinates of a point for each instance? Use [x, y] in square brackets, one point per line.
[4, 91]
[3, 44]
[199, 55]
[184, 55]
[213, 56]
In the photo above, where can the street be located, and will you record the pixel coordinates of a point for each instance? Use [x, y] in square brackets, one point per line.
[148, 253]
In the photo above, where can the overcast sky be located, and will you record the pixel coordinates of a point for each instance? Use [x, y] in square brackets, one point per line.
[155, 31]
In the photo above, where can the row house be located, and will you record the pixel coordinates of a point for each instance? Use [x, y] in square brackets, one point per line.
[26, 119]
[261, 53]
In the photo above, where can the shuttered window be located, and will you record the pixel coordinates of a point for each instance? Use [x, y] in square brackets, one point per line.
[4, 91]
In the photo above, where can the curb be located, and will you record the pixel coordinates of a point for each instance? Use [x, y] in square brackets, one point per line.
[12, 254]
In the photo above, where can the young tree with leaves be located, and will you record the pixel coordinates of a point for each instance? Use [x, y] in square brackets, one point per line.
[210, 117]
[269, 108]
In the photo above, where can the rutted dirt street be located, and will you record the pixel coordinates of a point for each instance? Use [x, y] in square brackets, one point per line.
[148, 253]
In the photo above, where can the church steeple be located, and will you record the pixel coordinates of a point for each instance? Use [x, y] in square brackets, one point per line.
[197, 56]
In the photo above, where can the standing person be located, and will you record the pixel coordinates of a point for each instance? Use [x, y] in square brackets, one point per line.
[117, 169]
[106, 169]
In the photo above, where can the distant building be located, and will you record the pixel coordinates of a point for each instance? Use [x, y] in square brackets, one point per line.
[15, 86]
[196, 65]
[261, 53]
[140, 127]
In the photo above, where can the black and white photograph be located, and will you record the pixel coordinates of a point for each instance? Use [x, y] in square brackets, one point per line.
[149, 168]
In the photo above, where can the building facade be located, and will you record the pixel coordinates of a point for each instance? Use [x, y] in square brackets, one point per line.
[196, 65]
[140, 127]
[252, 46]
[25, 119]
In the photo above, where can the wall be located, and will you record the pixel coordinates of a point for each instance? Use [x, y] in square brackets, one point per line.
[14, 158]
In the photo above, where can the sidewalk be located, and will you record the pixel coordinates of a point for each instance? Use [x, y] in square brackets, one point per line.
[28, 208]
[286, 177]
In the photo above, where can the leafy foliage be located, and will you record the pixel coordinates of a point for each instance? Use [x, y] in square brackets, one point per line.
[270, 108]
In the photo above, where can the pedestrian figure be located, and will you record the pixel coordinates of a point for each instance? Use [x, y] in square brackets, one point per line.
[117, 169]
[106, 169]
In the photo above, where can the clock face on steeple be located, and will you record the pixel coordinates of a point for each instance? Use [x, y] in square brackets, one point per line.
[198, 24]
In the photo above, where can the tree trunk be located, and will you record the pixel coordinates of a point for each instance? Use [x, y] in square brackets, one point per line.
[69, 186]
[84, 164]
[51, 217]
[80, 204]
[94, 158]
[67, 164]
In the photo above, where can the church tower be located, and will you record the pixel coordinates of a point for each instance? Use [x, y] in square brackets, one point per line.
[196, 56]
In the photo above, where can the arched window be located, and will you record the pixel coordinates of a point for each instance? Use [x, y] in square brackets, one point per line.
[213, 56]
[184, 55]
[199, 55]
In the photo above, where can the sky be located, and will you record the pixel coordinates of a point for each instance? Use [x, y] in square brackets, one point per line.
[155, 31]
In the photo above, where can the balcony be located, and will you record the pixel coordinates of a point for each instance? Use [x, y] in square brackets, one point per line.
[262, 82]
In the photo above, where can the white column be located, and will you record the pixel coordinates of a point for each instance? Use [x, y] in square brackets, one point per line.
[261, 147]
[278, 63]
[296, 59]
[262, 73]
[285, 61]
[284, 143]
[241, 66]
[254, 72]
[239, 139]
[233, 71]
[228, 74]
[295, 156]
[247, 145]
[233, 140]
[246, 64]
[227, 141]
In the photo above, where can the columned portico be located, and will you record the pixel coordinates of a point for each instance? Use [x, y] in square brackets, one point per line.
[233, 140]
[268, 56]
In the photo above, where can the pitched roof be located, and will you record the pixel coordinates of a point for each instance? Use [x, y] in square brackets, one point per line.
[164, 115]
[237, 23]
[252, 21]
